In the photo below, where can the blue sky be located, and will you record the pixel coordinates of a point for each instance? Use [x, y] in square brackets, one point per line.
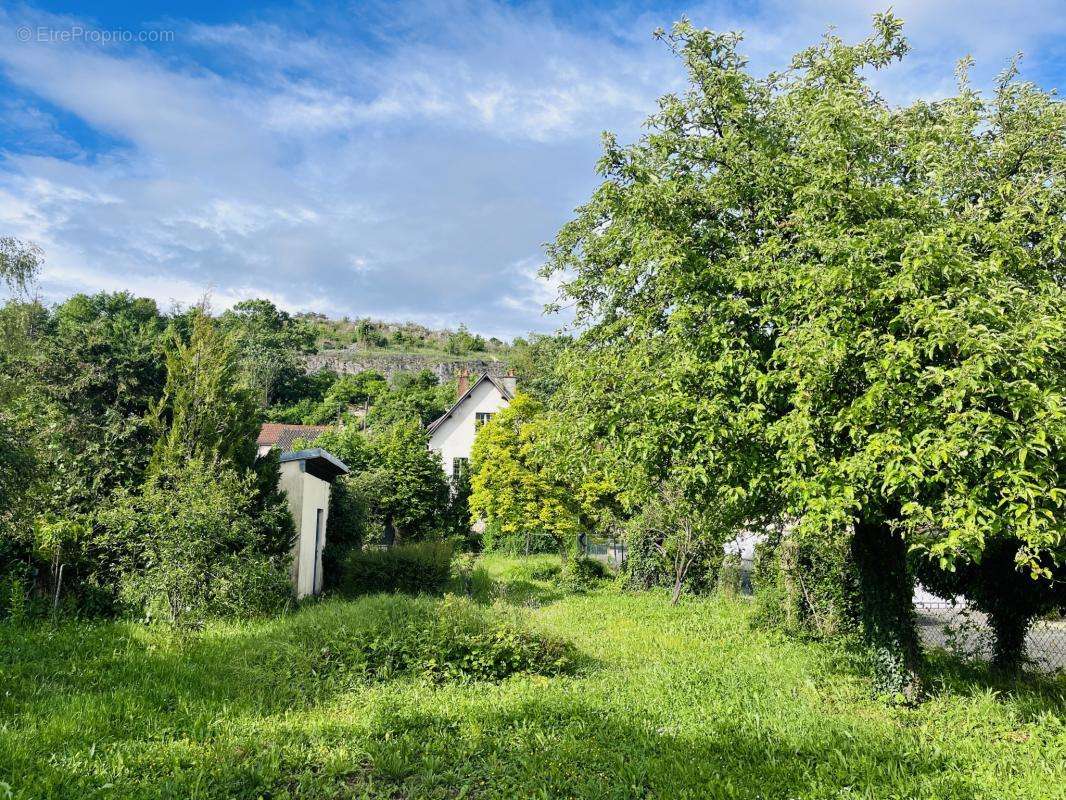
[399, 160]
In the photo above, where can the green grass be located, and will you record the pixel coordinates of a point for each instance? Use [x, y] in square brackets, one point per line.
[663, 702]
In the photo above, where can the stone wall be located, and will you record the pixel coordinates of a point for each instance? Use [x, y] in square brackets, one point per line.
[388, 364]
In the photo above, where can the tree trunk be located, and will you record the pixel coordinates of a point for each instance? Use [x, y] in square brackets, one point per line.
[390, 531]
[1012, 599]
[886, 608]
[677, 591]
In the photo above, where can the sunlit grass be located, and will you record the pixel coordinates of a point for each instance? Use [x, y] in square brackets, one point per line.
[666, 702]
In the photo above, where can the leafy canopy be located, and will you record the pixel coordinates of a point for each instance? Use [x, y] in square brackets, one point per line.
[512, 486]
[808, 298]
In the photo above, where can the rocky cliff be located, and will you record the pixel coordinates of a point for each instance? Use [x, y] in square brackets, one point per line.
[352, 361]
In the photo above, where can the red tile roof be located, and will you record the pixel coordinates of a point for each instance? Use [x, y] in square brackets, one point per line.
[281, 435]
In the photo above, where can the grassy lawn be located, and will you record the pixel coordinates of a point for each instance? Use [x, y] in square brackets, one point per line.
[663, 702]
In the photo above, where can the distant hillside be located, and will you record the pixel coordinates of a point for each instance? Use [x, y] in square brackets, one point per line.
[445, 367]
[351, 346]
[370, 336]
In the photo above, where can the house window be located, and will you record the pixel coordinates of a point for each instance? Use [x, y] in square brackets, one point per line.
[459, 468]
[481, 417]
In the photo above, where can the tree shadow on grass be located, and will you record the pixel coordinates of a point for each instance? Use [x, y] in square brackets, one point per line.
[571, 748]
[1032, 693]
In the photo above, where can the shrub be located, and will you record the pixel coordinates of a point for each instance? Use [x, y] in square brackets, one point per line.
[580, 574]
[806, 586]
[338, 646]
[422, 568]
[249, 585]
[182, 541]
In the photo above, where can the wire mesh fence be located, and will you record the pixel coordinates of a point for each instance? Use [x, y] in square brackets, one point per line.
[948, 623]
[959, 628]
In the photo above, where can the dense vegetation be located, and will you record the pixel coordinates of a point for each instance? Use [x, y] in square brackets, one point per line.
[808, 313]
[803, 313]
[615, 696]
[130, 483]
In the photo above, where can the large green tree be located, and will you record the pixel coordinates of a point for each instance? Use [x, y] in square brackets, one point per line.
[841, 310]
[269, 343]
[513, 487]
[205, 411]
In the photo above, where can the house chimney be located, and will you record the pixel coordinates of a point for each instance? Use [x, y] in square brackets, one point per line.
[510, 382]
[464, 383]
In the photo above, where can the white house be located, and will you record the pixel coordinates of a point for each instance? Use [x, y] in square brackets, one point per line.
[451, 436]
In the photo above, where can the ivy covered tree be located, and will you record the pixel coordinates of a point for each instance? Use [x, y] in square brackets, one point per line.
[839, 310]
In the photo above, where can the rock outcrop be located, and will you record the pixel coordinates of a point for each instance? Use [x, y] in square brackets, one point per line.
[388, 364]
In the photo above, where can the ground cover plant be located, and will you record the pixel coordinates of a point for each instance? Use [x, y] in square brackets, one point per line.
[661, 701]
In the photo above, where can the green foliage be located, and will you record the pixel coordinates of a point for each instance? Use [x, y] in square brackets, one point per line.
[269, 344]
[536, 362]
[1008, 594]
[805, 586]
[75, 385]
[419, 396]
[348, 392]
[452, 641]
[404, 485]
[731, 575]
[513, 490]
[204, 413]
[191, 543]
[821, 304]
[97, 369]
[396, 337]
[671, 542]
[472, 579]
[421, 568]
[396, 491]
[670, 699]
[303, 398]
[462, 342]
[579, 574]
[531, 568]
[20, 263]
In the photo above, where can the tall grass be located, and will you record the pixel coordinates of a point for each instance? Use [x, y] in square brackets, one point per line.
[684, 702]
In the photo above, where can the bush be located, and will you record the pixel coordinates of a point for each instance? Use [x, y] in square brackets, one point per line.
[338, 646]
[182, 541]
[580, 574]
[250, 585]
[806, 586]
[422, 568]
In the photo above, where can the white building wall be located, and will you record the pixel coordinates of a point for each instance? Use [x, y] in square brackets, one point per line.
[306, 495]
[455, 437]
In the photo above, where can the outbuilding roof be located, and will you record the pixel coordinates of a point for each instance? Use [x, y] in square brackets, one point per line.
[318, 462]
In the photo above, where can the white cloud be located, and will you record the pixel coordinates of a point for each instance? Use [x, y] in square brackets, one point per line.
[405, 164]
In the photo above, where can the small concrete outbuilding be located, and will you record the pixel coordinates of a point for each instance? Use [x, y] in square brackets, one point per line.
[305, 478]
